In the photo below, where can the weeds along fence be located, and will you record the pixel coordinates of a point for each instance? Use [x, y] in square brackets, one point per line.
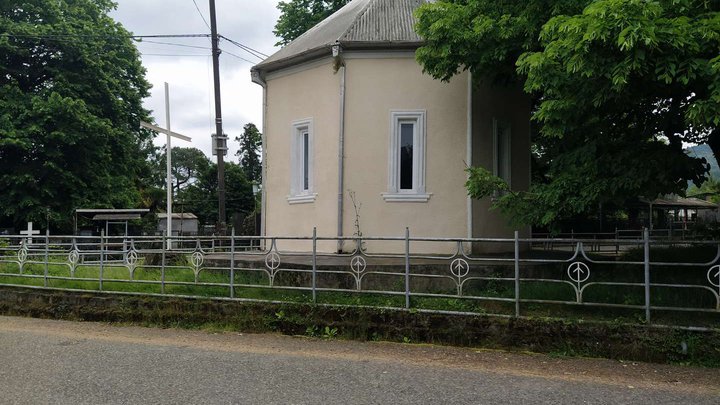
[642, 281]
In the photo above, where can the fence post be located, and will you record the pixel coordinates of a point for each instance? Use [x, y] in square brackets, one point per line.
[232, 263]
[162, 263]
[646, 237]
[407, 268]
[314, 266]
[47, 254]
[617, 241]
[102, 257]
[517, 273]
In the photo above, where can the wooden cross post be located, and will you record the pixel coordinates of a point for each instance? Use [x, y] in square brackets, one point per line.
[168, 148]
[30, 232]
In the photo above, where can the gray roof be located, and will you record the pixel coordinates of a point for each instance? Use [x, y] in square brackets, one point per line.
[112, 210]
[679, 202]
[178, 215]
[361, 24]
[116, 217]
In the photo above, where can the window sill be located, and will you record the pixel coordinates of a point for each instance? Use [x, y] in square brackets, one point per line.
[302, 199]
[406, 197]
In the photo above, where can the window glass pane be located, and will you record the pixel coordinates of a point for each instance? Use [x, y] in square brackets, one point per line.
[503, 151]
[407, 132]
[306, 163]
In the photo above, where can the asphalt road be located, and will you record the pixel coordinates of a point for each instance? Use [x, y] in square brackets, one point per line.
[56, 362]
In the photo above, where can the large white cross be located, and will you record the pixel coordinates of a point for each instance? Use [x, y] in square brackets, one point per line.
[30, 232]
[168, 157]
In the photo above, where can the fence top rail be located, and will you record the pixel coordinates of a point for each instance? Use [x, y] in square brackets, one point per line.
[624, 241]
[78, 239]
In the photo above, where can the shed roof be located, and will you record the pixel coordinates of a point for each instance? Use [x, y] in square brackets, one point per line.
[112, 210]
[361, 24]
[672, 203]
[116, 217]
[178, 215]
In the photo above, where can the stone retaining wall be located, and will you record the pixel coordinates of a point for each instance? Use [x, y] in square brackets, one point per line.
[609, 340]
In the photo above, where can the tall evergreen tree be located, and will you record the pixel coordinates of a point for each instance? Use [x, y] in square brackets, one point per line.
[249, 152]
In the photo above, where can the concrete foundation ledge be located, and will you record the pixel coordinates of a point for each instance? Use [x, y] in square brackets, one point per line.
[561, 337]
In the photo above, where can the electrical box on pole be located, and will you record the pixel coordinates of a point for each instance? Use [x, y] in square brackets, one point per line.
[219, 144]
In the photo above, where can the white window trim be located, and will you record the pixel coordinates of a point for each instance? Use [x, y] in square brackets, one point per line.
[418, 193]
[297, 193]
[508, 149]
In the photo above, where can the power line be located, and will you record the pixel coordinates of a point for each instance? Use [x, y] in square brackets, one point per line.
[70, 36]
[142, 39]
[174, 44]
[239, 57]
[168, 54]
[246, 48]
[172, 36]
[201, 14]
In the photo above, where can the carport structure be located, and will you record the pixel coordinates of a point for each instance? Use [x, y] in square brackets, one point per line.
[111, 216]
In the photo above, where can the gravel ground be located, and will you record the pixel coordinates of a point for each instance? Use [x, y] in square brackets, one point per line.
[72, 363]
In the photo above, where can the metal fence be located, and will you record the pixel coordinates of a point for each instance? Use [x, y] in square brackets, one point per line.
[513, 279]
[599, 241]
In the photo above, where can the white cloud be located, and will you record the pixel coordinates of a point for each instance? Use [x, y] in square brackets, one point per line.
[189, 70]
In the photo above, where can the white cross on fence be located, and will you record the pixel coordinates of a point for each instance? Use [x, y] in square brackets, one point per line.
[30, 232]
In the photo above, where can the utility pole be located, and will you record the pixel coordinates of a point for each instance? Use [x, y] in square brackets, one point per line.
[218, 119]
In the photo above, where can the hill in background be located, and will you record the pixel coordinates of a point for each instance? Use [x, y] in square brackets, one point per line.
[704, 151]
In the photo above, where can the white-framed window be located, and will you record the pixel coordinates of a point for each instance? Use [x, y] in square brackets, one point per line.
[301, 164]
[502, 166]
[406, 165]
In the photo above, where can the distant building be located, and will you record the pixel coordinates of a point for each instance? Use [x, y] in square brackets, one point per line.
[675, 212]
[183, 224]
[348, 108]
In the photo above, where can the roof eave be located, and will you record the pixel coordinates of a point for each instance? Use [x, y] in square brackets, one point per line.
[325, 50]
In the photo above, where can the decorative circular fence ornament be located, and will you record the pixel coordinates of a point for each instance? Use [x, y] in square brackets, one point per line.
[272, 261]
[131, 258]
[578, 272]
[74, 257]
[459, 268]
[197, 259]
[713, 276]
[22, 254]
[358, 264]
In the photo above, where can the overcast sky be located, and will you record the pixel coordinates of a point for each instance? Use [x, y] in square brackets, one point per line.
[188, 68]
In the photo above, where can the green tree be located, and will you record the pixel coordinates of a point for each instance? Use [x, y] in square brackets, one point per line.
[249, 152]
[200, 197]
[298, 16]
[188, 164]
[619, 87]
[709, 190]
[71, 90]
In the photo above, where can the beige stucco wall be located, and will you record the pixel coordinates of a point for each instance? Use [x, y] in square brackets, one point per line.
[310, 92]
[513, 106]
[375, 87]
